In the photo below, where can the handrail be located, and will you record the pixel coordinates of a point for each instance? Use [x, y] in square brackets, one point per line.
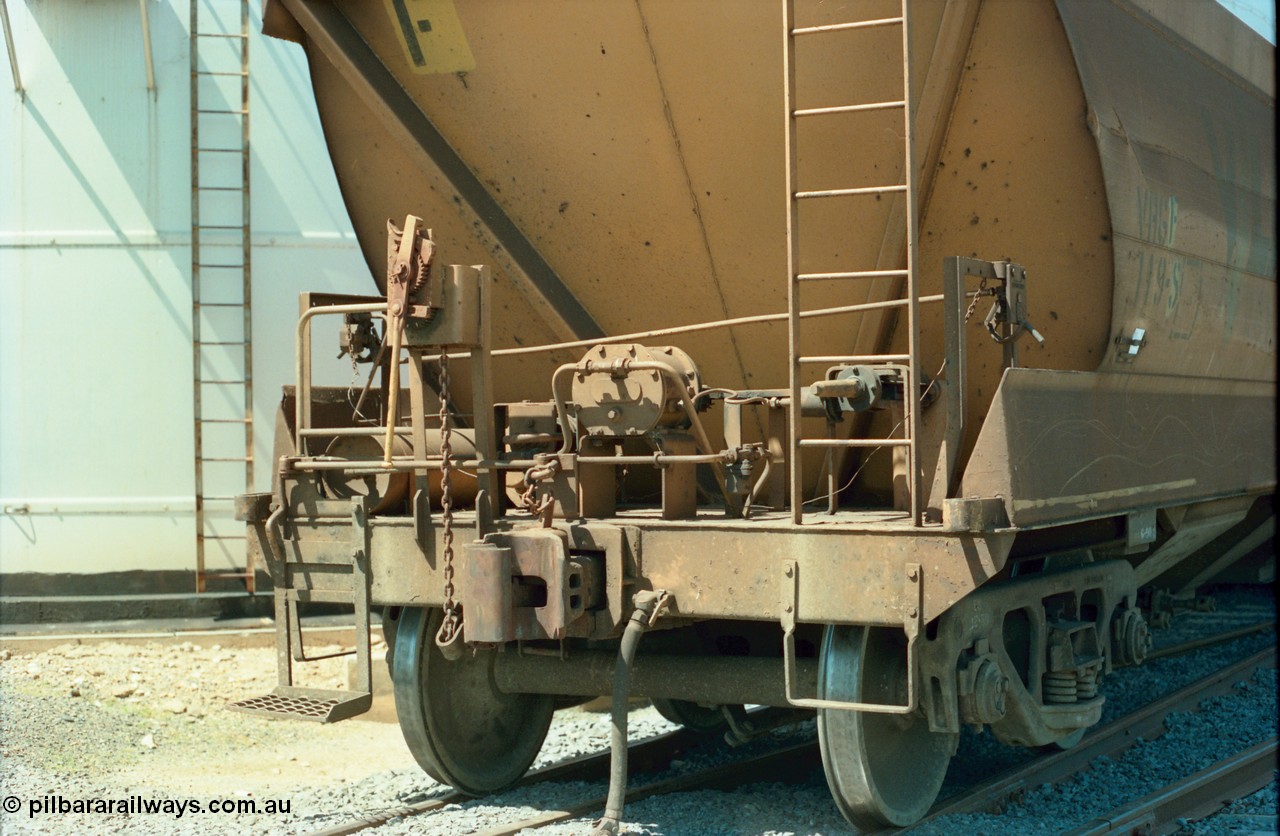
[302, 359]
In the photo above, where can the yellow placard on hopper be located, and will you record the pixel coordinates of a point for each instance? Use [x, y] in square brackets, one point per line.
[432, 36]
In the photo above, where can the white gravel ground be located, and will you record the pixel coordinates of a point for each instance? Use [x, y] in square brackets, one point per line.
[90, 722]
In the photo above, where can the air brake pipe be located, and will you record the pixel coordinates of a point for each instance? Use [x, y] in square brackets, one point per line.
[402, 463]
[705, 326]
[646, 607]
[748, 680]
[639, 336]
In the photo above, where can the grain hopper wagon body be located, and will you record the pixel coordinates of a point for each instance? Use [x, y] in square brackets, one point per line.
[881, 359]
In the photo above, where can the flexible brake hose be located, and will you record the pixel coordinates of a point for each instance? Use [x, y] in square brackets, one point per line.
[646, 605]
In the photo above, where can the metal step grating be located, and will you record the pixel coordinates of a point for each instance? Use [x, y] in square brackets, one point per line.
[315, 704]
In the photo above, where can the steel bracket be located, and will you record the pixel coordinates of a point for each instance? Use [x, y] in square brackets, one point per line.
[975, 514]
[288, 700]
[912, 622]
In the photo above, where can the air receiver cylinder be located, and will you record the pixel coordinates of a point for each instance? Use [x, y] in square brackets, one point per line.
[388, 490]
[615, 401]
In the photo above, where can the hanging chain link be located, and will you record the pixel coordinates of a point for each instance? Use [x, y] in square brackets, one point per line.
[355, 371]
[973, 303]
[544, 509]
[451, 626]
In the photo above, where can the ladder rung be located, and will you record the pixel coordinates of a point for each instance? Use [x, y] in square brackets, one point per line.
[225, 382]
[208, 72]
[842, 192]
[223, 150]
[858, 108]
[220, 188]
[226, 458]
[222, 112]
[219, 342]
[219, 35]
[223, 421]
[220, 536]
[222, 226]
[853, 274]
[222, 266]
[856, 358]
[218, 498]
[218, 305]
[854, 442]
[842, 27]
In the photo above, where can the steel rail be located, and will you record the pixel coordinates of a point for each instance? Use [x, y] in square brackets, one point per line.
[646, 755]
[789, 760]
[1110, 740]
[1210, 641]
[1195, 796]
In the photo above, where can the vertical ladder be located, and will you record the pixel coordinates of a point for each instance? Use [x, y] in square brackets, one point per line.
[221, 282]
[906, 364]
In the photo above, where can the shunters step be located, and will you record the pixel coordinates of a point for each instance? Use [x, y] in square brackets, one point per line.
[314, 704]
[295, 582]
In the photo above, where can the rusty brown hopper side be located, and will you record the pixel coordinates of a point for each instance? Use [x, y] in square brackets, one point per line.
[621, 165]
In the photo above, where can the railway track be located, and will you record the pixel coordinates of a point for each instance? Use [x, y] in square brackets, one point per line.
[1193, 797]
[801, 758]
[1111, 740]
[650, 755]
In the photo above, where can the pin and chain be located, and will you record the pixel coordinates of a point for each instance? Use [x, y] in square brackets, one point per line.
[544, 509]
[450, 633]
[973, 303]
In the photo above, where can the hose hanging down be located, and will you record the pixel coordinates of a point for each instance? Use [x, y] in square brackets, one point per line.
[648, 606]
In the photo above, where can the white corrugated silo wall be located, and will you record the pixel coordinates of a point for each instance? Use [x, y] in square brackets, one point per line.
[96, 435]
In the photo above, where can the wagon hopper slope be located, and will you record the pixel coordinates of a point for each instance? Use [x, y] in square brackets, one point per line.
[874, 360]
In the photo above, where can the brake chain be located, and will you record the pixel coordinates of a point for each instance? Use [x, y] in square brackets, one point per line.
[450, 634]
[973, 303]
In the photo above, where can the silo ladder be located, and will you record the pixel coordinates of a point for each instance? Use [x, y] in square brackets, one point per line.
[221, 282]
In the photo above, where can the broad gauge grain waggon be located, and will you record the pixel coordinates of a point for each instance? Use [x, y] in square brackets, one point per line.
[875, 359]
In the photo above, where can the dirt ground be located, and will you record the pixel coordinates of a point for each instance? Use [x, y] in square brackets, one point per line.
[155, 714]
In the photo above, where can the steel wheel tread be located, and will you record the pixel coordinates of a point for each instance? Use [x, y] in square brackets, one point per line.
[460, 728]
[882, 769]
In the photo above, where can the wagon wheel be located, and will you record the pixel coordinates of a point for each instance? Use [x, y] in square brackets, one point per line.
[460, 728]
[883, 769]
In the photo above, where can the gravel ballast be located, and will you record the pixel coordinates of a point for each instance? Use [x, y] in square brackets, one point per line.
[108, 720]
